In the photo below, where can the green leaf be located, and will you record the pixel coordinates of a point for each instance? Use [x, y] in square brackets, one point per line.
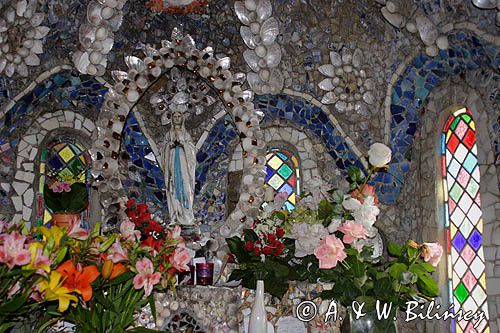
[338, 196]
[325, 210]
[396, 270]
[394, 249]
[428, 286]
[250, 235]
[236, 246]
[356, 175]
[369, 302]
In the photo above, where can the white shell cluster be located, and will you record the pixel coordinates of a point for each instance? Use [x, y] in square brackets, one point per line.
[259, 32]
[96, 37]
[215, 309]
[428, 32]
[347, 85]
[131, 84]
[20, 37]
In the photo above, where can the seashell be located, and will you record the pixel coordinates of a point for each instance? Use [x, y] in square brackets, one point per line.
[107, 13]
[432, 50]
[32, 60]
[107, 45]
[276, 81]
[251, 5]
[264, 74]
[188, 42]
[327, 70]
[21, 7]
[442, 42]
[86, 35]
[28, 13]
[326, 84]
[255, 82]
[95, 57]
[391, 7]
[180, 98]
[115, 22]
[239, 78]
[132, 95]
[37, 19]
[94, 13]
[3, 63]
[142, 82]
[41, 32]
[261, 51]
[81, 61]
[248, 37]
[357, 58]
[10, 15]
[224, 63]
[395, 19]
[101, 33]
[329, 98]
[427, 30]
[255, 27]
[264, 10]
[273, 56]
[269, 31]
[22, 69]
[176, 34]
[10, 69]
[485, 4]
[251, 59]
[411, 27]
[101, 69]
[242, 12]
[91, 70]
[150, 51]
[336, 59]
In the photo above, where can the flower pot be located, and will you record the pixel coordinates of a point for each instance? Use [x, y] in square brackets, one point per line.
[370, 323]
[63, 219]
[258, 317]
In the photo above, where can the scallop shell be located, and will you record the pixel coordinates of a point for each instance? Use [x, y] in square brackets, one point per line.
[86, 35]
[248, 37]
[242, 12]
[252, 60]
[264, 9]
[269, 31]
[273, 56]
[81, 61]
[115, 22]
[94, 13]
[135, 63]
[119, 76]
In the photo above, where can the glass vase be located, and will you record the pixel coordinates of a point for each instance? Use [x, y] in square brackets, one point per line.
[370, 323]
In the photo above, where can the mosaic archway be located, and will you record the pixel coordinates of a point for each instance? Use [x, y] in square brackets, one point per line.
[128, 89]
[421, 76]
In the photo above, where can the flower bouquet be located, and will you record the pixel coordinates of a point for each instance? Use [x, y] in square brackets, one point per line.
[104, 279]
[330, 237]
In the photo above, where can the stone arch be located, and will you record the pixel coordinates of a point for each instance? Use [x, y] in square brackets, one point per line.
[411, 88]
[28, 151]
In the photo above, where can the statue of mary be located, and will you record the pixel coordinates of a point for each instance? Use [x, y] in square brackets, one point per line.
[178, 159]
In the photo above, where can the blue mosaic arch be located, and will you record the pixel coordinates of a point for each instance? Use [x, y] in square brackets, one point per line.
[65, 87]
[467, 52]
[314, 120]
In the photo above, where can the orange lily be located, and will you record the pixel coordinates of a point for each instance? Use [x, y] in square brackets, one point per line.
[118, 269]
[78, 279]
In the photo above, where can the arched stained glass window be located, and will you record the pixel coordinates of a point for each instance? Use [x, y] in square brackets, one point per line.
[283, 174]
[61, 159]
[463, 219]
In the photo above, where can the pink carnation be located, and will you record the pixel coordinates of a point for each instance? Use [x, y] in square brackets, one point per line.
[432, 253]
[329, 252]
[352, 231]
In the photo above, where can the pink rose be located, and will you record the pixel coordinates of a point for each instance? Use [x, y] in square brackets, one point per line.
[432, 253]
[329, 252]
[352, 231]
[368, 190]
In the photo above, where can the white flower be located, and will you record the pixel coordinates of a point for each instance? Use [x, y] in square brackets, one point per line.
[334, 225]
[351, 203]
[367, 214]
[307, 238]
[379, 155]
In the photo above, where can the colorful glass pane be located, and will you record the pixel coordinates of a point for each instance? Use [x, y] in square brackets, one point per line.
[283, 175]
[61, 160]
[466, 267]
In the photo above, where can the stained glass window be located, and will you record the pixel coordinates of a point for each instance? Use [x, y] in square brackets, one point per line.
[283, 175]
[463, 220]
[58, 160]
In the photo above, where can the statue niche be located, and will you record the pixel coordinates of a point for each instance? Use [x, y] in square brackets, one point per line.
[176, 115]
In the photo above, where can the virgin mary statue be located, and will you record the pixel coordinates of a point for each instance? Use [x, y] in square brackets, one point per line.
[178, 160]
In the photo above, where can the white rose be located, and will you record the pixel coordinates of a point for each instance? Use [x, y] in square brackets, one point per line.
[350, 203]
[379, 155]
[367, 214]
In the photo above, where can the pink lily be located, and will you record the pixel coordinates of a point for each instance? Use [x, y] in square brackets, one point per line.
[75, 231]
[146, 277]
[180, 259]
[13, 252]
[127, 229]
[117, 253]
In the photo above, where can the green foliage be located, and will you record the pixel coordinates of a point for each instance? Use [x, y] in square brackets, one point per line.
[73, 202]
